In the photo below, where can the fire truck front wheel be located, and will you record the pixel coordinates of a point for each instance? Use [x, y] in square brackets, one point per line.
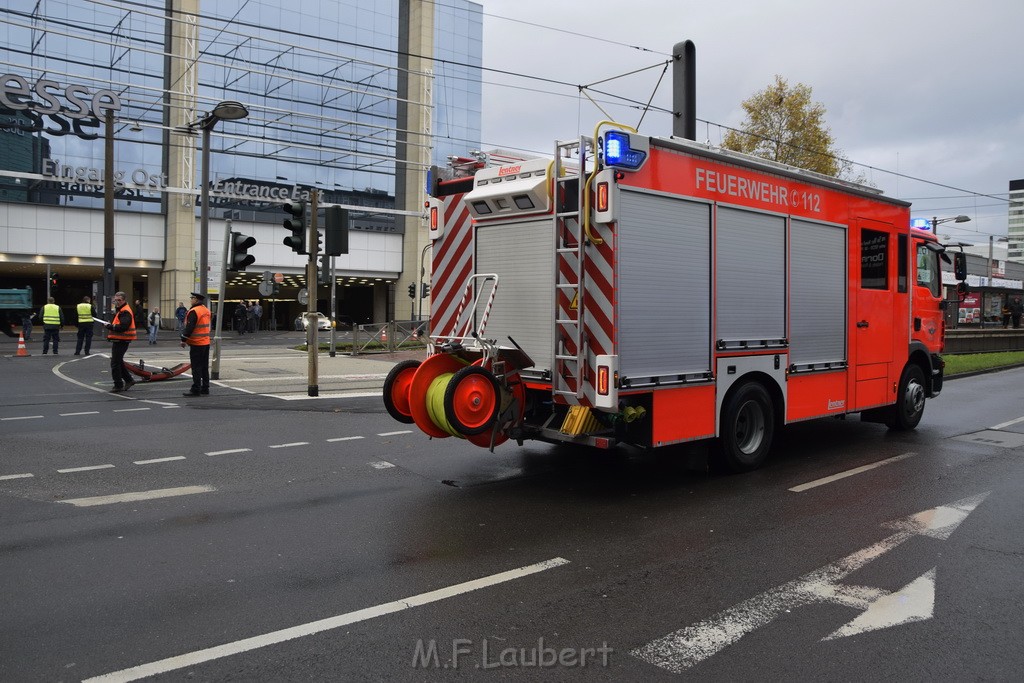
[747, 429]
[909, 408]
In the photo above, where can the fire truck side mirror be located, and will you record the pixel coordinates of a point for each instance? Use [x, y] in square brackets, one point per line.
[960, 265]
[962, 289]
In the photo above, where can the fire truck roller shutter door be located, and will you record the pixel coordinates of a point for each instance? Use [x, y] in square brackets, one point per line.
[751, 275]
[664, 285]
[817, 294]
[524, 303]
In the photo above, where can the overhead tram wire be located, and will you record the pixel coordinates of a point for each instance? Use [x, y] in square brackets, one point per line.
[142, 8]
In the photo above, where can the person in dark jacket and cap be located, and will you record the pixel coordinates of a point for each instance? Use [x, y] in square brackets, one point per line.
[196, 335]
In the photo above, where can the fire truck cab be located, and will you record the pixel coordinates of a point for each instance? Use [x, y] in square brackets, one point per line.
[656, 290]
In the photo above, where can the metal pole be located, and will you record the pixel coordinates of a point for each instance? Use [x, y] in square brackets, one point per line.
[215, 364]
[108, 212]
[334, 309]
[49, 278]
[204, 213]
[312, 339]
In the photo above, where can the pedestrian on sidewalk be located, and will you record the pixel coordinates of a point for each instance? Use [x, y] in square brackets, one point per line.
[154, 324]
[241, 316]
[1016, 310]
[121, 334]
[196, 335]
[84, 313]
[26, 324]
[179, 315]
[53, 323]
[257, 314]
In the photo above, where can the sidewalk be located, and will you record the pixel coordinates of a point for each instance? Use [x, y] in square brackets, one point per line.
[264, 363]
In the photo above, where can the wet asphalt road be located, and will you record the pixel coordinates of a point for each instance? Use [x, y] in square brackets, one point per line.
[318, 539]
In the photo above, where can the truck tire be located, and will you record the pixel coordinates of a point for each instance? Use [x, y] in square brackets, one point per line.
[747, 429]
[910, 397]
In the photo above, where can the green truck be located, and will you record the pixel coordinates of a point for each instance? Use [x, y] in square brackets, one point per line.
[14, 304]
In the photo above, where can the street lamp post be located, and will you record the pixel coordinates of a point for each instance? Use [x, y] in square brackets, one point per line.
[224, 111]
[936, 221]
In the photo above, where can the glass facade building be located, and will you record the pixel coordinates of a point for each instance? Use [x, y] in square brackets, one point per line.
[321, 81]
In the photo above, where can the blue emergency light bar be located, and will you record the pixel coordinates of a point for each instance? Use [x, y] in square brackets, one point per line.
[619, 153]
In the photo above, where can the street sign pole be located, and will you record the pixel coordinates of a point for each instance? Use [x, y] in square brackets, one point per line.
[215, 363]
[312, 340]
[334, 308]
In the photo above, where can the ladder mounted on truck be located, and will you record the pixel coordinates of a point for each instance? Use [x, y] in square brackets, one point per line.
[569, 193]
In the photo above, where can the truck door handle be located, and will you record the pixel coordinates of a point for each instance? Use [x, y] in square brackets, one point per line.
[862, 323]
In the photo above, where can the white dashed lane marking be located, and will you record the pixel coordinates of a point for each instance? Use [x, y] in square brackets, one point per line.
[137, 496]
[380, 464]
[87, 412]
[85, 469]
[230, 451]
[23, 417]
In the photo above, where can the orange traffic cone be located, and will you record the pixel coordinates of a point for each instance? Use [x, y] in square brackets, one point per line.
[22, 350]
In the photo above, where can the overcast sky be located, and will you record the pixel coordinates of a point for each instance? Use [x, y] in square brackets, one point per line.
[933, 89]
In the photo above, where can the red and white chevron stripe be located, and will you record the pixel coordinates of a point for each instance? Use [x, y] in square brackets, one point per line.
[452, 263]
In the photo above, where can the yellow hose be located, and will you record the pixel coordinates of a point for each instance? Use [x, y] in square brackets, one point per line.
[435, 403]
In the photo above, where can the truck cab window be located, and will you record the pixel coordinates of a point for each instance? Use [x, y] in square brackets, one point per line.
[874, 259]
[928, 272]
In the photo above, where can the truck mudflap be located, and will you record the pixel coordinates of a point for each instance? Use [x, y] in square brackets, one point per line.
[938, 371]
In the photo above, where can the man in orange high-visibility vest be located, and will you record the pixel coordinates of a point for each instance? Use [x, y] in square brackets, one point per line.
[196, 335]
[121, 333]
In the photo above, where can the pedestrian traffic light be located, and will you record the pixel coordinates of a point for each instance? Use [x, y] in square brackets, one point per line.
[425, 291]
[238, 257]
[412, 290]
[53, 279]
[297, 224]
[336, 231]
[324, 271]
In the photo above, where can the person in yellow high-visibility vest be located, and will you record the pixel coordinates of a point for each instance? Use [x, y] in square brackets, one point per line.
[53, 322]
[84, 313]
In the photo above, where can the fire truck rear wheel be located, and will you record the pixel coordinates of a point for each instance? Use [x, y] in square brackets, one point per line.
[910, 397]
[748, 427]
[396, 390]
[472, 400]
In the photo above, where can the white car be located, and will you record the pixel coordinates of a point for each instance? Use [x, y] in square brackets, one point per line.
[322, 322]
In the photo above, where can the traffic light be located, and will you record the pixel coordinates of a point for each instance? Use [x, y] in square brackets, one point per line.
[238, 257]
[425, 292]
[297, 224]
[336, 231]
[412, 290]
[324, 271]
[53, 279]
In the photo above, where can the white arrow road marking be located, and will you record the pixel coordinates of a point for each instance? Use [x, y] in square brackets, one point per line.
[913, 602]
[689, 646]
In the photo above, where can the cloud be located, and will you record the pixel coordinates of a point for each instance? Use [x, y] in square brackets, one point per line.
[930, 87]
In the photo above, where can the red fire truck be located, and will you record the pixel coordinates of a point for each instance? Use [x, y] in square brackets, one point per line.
[653, 291]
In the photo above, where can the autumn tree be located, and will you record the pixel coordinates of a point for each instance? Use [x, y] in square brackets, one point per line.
[783, 124]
